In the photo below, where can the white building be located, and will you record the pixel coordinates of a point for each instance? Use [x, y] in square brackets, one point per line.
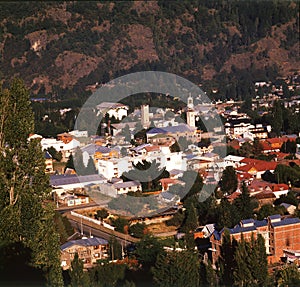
[116, 110]
[113, 167]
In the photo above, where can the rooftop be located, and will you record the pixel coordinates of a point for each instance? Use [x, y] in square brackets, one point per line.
[94, 241]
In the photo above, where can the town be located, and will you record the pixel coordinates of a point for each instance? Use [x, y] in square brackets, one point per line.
[149, 143]
[94, 174]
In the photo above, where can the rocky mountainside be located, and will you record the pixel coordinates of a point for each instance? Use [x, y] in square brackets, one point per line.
[62, 49]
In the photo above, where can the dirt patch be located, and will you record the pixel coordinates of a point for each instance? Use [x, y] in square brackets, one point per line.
[142, 40]
[74, 66]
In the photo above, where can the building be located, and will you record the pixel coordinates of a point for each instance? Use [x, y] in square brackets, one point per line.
[48, 162]
[279, 232]
[89, 250]
[74, 182]
[145, 116]
[116, 110]
[113, 167]
[114, 189]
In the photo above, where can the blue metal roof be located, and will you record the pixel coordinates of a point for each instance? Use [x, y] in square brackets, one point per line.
[94, 241]
[156, 131]
[286, 221]
[275, 216]
[247, 221]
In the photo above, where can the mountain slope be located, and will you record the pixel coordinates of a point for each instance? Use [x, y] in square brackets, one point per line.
[62, 48]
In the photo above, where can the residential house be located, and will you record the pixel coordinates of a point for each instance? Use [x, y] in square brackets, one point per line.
[256, 167]
[75, 182]
[89, 250]
[115, 110]
[114, 189]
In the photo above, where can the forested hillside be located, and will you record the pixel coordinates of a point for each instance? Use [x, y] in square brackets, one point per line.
[61, 48]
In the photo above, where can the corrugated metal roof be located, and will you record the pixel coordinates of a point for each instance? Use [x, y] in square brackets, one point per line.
[57, 180]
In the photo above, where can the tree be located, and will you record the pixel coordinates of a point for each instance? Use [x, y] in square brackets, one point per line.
[70, 163]
[126, 133]
[147, 250]
[226, 262]
[90, 169]
[115, 251]
[137, 230]
[101, 214]
[78, 277]
[245, 204]
[242, 272]
[148, 173]
[229, 180]
[191, 220]
[259, 261]
[289, 275]
[176, 269]
[108, 274]
[24, 218]
[55, 155]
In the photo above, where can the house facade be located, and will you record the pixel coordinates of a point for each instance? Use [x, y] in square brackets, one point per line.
[89, 250]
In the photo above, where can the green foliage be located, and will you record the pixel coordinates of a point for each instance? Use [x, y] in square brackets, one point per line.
[79, 278]
[149, 182]
[290, 198]
[63, 227]
[191, 218]
[245, 204]
[268, 209]
[24, 185]
[229, 180]
[55, 154]
[289, 147]
[289, 275]
[147, 250]
[108, 274]
[115, 250]
[101, 214]
[177, 269]
[137, 230]
[287, 174]
[120, 223]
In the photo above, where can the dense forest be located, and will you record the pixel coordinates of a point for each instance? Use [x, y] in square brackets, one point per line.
[61, 48]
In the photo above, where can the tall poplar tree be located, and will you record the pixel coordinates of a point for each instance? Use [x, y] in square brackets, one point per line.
[24, 217]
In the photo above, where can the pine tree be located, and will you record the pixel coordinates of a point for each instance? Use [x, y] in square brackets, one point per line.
[258, 260]
[245, 204]
[229, 180]
[242, 272]
[177, 269]
[24, 185]
[78, 277]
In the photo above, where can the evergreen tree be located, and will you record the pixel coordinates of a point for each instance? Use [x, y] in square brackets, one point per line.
[245, 204]
[177, 269]
[226, 262]
[229, 180]
[24, 185]
[147, 250]
[191, 219]
[70, 163]
[242, 272]
[90, 169]
[78, 277]
[258, 260]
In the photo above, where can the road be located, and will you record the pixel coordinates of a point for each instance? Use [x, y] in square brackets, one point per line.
[99, 230]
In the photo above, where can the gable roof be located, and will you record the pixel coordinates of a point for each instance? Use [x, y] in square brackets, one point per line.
[94, 241]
